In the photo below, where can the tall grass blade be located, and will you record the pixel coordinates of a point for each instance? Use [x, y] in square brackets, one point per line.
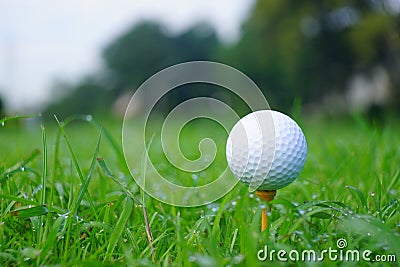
[119, 227]
[30, 212]
[359, 194]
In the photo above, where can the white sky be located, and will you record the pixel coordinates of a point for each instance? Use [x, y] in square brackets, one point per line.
[42, 40]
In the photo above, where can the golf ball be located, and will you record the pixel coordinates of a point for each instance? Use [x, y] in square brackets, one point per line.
[266, 149]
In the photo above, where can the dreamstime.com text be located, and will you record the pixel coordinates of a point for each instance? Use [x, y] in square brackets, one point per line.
[340, 253]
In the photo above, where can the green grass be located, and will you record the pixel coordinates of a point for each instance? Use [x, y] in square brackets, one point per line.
[67, 198]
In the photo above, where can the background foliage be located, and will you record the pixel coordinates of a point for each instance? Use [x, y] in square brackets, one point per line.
[295, 51]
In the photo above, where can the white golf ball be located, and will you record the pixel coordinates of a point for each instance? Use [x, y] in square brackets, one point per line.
[266, 149]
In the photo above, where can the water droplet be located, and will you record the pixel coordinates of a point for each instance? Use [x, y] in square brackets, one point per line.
[22, 169]
[89, 118]
[233, 203]
[372, 194]
[314, 196]
[262, 206]
[2, 123]
[301, 212]
[251, 195]
[37, 189]
[214, 209]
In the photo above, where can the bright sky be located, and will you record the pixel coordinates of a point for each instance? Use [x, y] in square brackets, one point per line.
[44, 40]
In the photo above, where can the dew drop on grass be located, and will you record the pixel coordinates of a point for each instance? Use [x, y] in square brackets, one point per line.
[214, 209]
[314, 196]
[251, 195]
[2, 123]
[372, 194]
[233, 203]
[37, 189]
[89, 118]
[262, 206]
[22, 168]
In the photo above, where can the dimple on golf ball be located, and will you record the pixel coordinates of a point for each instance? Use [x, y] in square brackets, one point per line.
[266, 149]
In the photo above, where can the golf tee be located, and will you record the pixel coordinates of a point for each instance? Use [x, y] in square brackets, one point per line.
[267, 196]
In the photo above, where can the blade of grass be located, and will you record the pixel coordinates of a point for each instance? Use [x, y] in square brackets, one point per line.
[233, 240]
[5, 119]
[119, 227]
[218, 216]
[26, 202]
[360, 196]
[106, 170]
[17, 167]
[83, 189]
[50, 240]
[84, 183]
[43, 182]
[30, 212]
[143, 176]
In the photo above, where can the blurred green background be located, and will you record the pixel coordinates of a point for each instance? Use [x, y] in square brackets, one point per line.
[327, 56]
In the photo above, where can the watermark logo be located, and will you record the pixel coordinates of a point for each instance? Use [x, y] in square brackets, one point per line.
[340, 253]
[341, 243]
[135, 140]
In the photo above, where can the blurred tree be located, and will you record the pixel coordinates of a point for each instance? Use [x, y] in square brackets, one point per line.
[296, 51]
[86, 97]
[131, 59]
[306, 49]
[147, 48]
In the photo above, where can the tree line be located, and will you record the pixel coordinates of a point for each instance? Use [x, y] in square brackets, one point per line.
[294, 50]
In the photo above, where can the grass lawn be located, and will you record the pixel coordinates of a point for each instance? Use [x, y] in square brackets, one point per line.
[67, 198]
